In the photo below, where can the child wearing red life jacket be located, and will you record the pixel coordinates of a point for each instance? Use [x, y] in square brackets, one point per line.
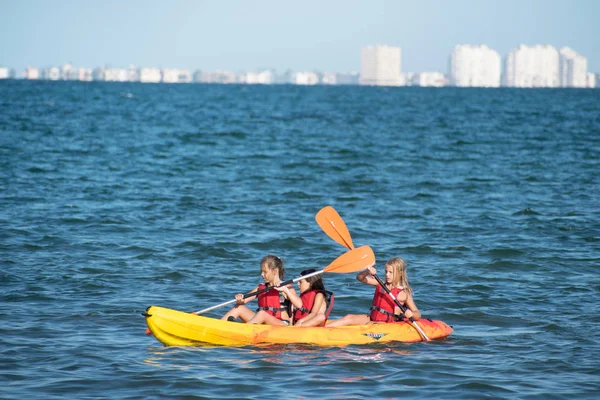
[384, 309]
[273, 303]
[312, 307]
[314, 304]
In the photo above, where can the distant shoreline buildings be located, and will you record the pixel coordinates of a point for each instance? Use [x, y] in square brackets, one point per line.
[479, 66]
[381, 66]
[474, 66]
[539, 66]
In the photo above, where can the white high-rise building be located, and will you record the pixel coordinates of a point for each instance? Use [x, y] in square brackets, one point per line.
[116, 75]
[436, 79]
[51, 74]
[532, 66]
[572, 68]
[304, 78]
[133, 74]
[150, 75]
[474, 66]
[130, 74]
[380, 66]
[31, 73]
[176, 75]
[591, 80]
[257, 78]
[67, 73]
[85, 74]
[215, 77]
[329, 78]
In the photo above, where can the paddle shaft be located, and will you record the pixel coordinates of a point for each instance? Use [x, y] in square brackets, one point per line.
[288, 282]
[402, 308]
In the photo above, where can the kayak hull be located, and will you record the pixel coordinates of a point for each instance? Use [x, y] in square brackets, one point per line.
[177, 328]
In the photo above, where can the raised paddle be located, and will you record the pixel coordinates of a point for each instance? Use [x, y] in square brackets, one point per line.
[333, 225]
[351, 261]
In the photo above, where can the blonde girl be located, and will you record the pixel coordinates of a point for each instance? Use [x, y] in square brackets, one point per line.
[383, 308]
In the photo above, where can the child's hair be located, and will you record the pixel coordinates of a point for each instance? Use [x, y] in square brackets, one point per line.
[400, 278]
[274, 262]
[315, 281]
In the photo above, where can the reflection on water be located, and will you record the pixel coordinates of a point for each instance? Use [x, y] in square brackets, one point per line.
[297, 354]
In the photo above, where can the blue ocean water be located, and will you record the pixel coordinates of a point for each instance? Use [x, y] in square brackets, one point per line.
[115, 197]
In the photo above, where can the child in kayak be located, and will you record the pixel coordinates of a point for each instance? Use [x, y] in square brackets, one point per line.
[274, 303]
[384, 309]
[312, 306]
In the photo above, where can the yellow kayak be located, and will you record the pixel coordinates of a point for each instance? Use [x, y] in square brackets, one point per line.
[177, 328]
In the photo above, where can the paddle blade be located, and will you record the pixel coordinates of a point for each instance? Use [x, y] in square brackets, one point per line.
[333, 225]
[352, 261]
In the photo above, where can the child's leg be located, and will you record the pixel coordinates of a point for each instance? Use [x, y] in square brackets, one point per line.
[350, 319]
[240, 311]
[315, 320]
[262, 317]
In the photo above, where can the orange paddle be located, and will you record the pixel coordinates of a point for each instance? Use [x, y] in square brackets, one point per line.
[333, 225]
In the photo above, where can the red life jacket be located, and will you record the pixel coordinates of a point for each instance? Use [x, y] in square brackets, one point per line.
[271, 301]
[308, 300]
[383, 306]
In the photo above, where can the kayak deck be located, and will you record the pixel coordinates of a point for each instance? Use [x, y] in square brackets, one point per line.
[177, 328]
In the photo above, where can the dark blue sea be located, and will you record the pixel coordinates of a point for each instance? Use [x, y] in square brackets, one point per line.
[115, 197]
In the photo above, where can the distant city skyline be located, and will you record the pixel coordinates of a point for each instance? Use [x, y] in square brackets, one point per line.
[305, 36]
[469, 66]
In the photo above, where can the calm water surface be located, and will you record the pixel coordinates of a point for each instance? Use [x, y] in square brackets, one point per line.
[114, 197]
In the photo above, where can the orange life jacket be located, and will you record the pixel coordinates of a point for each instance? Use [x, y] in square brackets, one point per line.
[308, 300]
[272, 302]
[383, 306]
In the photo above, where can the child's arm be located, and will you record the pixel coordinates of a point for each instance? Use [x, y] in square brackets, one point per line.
[240, 297]
[291, 295]
[366, 276]
[411, 308]
[316, 316]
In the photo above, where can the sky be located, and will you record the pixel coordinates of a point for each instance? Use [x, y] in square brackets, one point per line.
[305, 35]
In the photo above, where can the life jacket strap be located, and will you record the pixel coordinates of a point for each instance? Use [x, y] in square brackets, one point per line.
[304, 310]
[274, 309]
[385, 312]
